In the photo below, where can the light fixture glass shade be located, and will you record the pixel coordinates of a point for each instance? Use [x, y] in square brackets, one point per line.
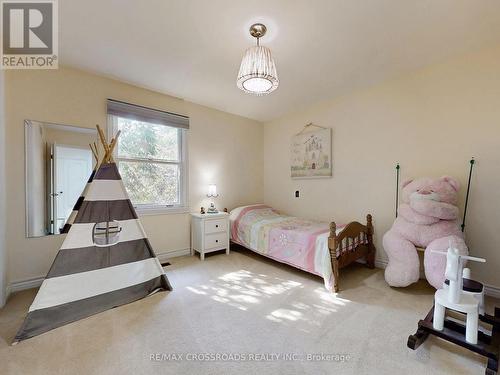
[257, 73]
[212, 190]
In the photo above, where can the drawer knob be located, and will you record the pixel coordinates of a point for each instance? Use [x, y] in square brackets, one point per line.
[216, 240]
[217, 225]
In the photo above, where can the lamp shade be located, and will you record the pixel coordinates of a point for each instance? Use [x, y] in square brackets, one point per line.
[257, 73]
[212, 190]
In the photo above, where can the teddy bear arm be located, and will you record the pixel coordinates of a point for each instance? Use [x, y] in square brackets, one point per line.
[441, 210]
[413, 216]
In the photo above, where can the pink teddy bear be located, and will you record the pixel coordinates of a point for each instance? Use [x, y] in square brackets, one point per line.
[428, 217]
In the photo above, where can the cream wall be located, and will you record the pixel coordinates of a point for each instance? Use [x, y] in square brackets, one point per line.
[223, 149]
[431, 122]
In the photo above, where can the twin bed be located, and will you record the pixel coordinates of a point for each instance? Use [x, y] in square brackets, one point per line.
[315, 247]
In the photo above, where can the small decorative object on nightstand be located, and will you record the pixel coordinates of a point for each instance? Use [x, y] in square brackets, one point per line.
[212, 193]
[209, 232]
[212, 209]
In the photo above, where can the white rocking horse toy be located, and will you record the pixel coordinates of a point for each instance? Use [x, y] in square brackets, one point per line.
[453, 296]
[466, 296]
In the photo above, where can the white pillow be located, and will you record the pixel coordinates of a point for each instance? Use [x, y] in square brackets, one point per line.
[236, 211]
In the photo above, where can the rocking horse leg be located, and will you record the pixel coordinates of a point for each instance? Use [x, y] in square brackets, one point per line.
[492, 367]
[471, 328]
[439, 312]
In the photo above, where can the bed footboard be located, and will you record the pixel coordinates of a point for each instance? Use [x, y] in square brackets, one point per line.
[355, 241]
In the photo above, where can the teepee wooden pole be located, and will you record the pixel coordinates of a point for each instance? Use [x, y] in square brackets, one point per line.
[114, 141]
[92, 149]
[103, 140]
[108, 157]
[108, 147]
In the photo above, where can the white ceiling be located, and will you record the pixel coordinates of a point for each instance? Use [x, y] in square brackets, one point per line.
[323, 48]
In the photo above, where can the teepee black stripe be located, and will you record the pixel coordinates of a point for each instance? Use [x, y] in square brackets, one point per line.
[66, 228]
[99, 211]
[43, 320]
[78, 203]
[107, 172]
[70, 261]
[91, 177]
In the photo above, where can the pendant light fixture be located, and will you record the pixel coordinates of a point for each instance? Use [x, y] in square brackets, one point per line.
[257, 73]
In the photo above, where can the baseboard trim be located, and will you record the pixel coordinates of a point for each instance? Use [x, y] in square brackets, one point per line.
[5, 296]
[172, 254]
[492, 291]
[35, 282]
[17, 286]
[381, 263]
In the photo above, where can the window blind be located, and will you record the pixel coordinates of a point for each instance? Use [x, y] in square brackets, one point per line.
[140, 113]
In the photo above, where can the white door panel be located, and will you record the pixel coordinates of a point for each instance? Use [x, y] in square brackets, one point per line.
[73, 167]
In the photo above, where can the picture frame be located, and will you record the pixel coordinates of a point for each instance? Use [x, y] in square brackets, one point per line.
[311, 154]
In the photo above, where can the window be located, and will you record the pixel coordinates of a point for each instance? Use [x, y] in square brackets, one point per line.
[151, 158]
[106, 233]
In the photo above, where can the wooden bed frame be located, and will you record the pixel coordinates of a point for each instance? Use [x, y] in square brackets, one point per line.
[352, 232]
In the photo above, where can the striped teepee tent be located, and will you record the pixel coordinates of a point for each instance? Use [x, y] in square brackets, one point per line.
[105, 260]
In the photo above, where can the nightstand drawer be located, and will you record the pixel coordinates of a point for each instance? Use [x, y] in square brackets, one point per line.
[215, 226]
[215, 240]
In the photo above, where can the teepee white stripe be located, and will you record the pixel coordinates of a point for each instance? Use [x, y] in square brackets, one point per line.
[106, 190]
[81, 235]
[64, 289]
[72, 217]
[86, 189]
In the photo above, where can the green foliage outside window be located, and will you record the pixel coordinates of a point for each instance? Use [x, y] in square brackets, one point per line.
[149, 162]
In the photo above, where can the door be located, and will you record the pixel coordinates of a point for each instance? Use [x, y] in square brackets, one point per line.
[73, 167]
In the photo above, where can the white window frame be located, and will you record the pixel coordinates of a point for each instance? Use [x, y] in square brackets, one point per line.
[159, 209]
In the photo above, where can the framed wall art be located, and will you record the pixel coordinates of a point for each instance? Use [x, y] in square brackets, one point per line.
[311, 153]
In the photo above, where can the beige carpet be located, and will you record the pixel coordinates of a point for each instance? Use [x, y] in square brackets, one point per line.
[242, 304]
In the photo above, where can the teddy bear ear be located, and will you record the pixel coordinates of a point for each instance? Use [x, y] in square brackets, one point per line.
[453, 182]
[406, 182]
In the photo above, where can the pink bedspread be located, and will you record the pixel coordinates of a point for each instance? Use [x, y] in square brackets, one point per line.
[298, 242]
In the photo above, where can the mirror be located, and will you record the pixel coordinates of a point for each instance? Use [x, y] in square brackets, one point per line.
[58, 164]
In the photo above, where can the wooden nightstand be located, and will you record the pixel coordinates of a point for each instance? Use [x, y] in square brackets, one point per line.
[209, 232]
